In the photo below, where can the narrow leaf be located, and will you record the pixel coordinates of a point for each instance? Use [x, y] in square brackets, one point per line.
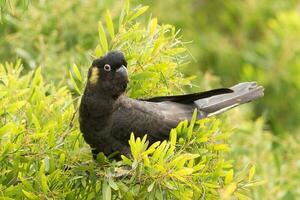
[251, 173]
[30, 195]
[77, 72]
[106, 191]
[229, 177]
[150, 188]
[102, 38]
[139, 12]
[109, 24]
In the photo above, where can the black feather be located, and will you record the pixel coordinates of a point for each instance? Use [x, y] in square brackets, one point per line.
[190, 98]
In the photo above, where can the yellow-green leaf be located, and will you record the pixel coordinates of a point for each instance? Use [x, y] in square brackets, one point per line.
[192, 123]
[126, 160]
[150, 187]
[102, 38]
[127, 6]
[36, 122]
[74, 84]
[77, 72]
[30, 195]
[251, 173]
[229, 190]
[109, 24]
[153, 25]
[173, 136]
[241, 196]
[106, 191]
[98, 51]
[139, 12]
[229, 177]
[221, 147]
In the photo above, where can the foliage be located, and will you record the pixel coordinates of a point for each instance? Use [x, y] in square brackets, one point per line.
[154, 52]
[50, 34]
[276, 158]
[6, 6]
[44, 156]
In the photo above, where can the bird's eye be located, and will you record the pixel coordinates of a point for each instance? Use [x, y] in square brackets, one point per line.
[107, 67]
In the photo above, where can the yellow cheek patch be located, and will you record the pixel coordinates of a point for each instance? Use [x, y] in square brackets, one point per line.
[94, 76]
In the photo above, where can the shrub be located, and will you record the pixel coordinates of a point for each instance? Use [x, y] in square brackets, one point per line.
[50, 34]
[43, 155]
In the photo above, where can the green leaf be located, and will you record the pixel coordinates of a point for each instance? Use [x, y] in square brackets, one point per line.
[152, 148]
[229, 190]
[251, 173]
[198, 167]
[121, 21]
[127, 6]
[75, 84]
[7, 127]
[62, 160]
[106, 191]
[192, 123]
[109, 24]
[254, 184]
[153, 26]
[112, 184]
[77, 72]
[241, 196]
[221, 147]
[98, 51]
[181, 159]
[126, 160]
[101, 158]
[102, 38]
[229, 177]
[30, 195]
[36, 122]
[37, 79]
[159, 151]
[14, 107]
[184, 172]
[43, 179]
[173, 137]
[143, 76]
[150, 187]
[139, 12]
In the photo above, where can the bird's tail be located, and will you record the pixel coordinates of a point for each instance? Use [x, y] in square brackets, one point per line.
[242, 93]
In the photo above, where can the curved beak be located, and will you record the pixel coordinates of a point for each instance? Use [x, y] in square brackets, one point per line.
[123, 71]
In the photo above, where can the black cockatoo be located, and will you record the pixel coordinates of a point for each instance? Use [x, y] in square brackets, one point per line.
[107, 116]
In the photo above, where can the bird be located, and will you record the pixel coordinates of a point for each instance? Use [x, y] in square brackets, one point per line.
[107, 116]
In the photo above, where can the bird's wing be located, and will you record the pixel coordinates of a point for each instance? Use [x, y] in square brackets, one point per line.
[157, 118]
[153, 118]
[189, 98]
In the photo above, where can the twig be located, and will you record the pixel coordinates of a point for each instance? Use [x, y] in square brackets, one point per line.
[71, 124]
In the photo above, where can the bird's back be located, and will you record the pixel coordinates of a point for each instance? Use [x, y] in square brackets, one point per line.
[155, 119]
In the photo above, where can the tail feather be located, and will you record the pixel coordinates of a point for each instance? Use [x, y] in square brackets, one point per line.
[242, 93]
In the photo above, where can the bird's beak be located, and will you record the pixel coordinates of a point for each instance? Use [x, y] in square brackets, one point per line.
[123, 72]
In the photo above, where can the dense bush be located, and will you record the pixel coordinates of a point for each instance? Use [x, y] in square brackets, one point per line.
[50, 34]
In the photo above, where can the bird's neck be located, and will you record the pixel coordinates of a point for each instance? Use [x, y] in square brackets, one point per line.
[99, 103]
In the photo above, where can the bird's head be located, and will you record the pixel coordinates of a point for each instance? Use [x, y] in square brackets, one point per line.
[108, 75]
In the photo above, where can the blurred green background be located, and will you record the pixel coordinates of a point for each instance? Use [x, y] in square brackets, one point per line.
[229, 41]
